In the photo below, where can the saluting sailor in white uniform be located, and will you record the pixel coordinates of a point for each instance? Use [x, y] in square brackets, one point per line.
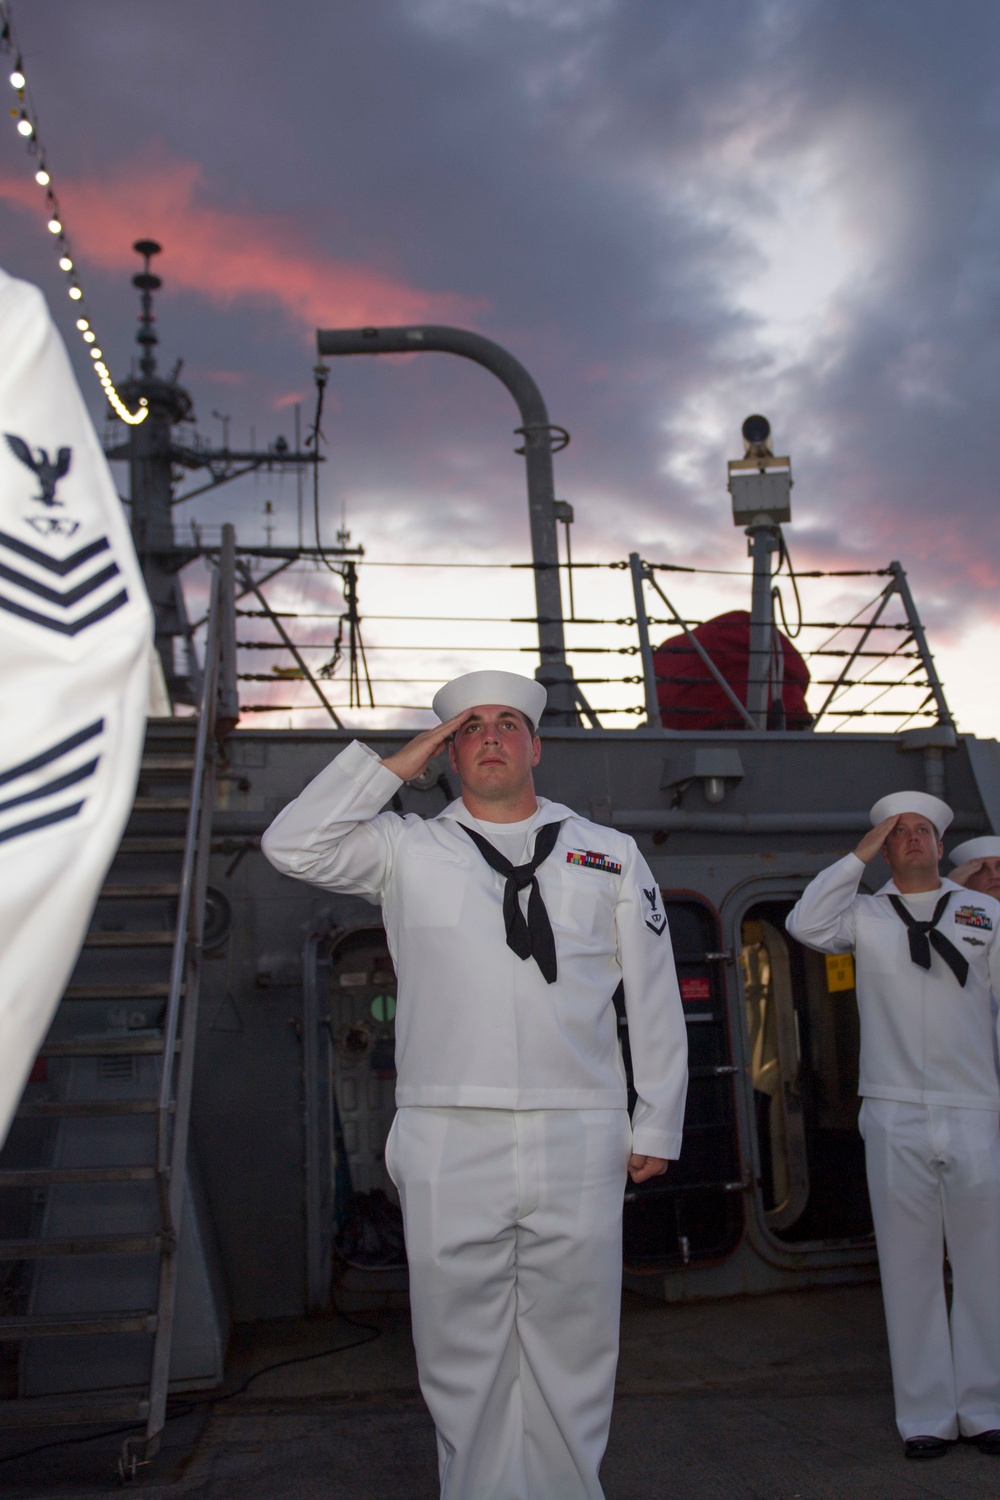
[926, 955]
[511, 921]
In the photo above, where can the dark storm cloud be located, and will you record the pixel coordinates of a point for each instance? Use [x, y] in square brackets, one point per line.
[673, 213]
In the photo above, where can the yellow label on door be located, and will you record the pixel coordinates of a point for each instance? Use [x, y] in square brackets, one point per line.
[839, 972]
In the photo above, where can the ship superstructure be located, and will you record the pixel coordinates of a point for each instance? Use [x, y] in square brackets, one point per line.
[220, 1074]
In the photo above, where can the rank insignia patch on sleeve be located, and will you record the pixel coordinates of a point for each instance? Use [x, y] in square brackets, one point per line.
[655, 916]
[590, 859]
[974, 916]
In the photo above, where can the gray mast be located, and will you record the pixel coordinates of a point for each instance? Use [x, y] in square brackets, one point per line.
[156, 459]
[151, 482]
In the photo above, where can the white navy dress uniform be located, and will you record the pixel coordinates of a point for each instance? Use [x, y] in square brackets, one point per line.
[511, 1137]
[75, 644]
[929, 1117]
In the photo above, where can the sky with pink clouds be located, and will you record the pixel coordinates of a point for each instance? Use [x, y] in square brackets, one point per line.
[673, 213]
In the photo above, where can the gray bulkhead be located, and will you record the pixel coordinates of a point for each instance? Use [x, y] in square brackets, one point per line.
[276, 1036]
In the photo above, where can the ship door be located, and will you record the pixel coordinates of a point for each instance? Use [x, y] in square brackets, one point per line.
[348, 1037]
[802, 1037]
[695, 1214]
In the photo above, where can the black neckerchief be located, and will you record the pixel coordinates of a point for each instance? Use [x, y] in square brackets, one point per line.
[531, 939]
[924, 936]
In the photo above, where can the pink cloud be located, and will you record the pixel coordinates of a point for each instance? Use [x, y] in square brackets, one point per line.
[219, 377]
[228, 255]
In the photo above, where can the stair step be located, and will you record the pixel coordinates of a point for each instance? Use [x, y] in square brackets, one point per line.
[87, 1244]
[108, 1046]
[151, 844]
[85, 1109]
[139, 892]
[155, 991]
[58, 1327]
[72, 1411]
[162, 937]
[161, 804]
[180, 763]
[22, 1177]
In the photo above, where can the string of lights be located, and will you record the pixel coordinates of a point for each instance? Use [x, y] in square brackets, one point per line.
[25, 116]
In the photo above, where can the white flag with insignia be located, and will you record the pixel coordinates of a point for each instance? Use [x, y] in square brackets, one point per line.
[75, 639]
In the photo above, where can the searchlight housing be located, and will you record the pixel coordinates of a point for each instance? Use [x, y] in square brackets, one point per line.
[760, 483]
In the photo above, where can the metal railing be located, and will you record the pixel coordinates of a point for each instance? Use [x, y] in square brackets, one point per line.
[296, 632]
[216, 713]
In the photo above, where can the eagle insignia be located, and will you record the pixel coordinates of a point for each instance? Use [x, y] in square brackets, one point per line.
[46, 471]
[656, 917]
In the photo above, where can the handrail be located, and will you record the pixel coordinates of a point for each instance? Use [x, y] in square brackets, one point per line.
[178, 965]
[175, 1098]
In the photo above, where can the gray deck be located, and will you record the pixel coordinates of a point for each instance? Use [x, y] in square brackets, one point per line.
[769, 1398]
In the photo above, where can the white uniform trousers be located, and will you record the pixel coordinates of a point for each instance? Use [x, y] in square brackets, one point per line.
[513, 1223]
[934, 1181]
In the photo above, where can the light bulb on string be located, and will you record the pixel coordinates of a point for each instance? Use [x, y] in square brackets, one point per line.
[26, 129]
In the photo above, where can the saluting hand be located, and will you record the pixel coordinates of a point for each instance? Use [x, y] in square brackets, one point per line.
[871, 844]
[415, 757]
[962, 874]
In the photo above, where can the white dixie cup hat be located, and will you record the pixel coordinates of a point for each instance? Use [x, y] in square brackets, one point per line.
[987, 847]
[931, 808]
[508, 689]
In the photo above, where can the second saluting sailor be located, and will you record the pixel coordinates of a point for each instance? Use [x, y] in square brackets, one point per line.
[926, 954]
[511, 921]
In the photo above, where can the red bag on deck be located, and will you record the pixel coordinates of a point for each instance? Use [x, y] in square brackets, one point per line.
[689, 696]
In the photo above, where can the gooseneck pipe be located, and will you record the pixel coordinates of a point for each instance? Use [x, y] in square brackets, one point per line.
[537, 431]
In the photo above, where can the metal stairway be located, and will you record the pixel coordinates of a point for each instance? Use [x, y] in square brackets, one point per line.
[93, 1181]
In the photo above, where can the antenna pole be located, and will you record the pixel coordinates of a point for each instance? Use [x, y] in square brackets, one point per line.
[763, 541]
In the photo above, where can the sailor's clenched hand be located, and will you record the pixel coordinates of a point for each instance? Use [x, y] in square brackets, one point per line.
[641, 1168]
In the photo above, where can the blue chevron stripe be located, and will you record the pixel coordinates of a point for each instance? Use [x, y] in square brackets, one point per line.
[71, 778]
[54, 565]
[45, 821]
[64, 600]
[46, 757]
[67, 627]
